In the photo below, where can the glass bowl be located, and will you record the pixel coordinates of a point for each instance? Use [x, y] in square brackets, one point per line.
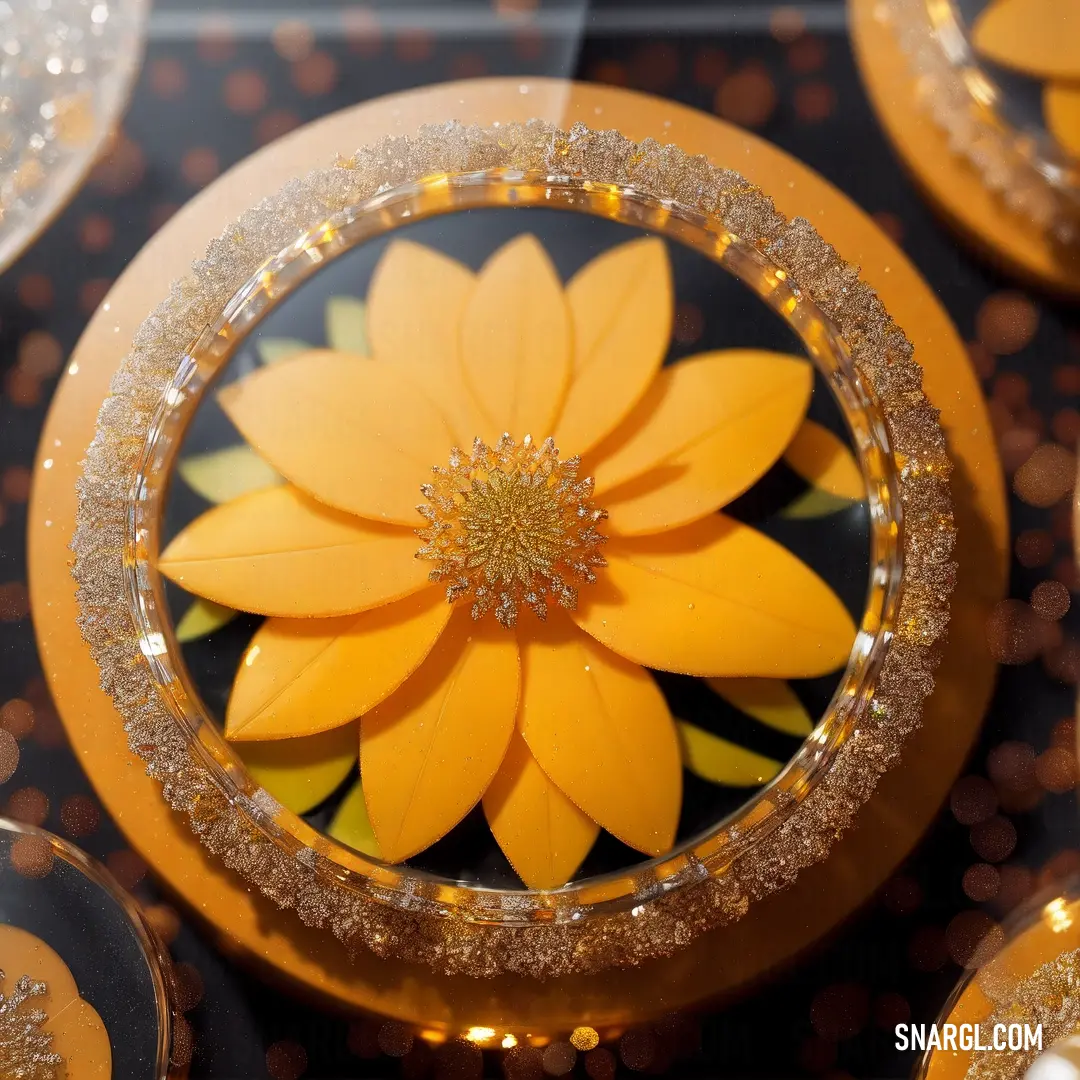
[646, 909]
[66, 70]
[993, 116]
[55, 892]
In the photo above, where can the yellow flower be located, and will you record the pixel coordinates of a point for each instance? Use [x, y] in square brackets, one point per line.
[1041, 39]
[441, 565]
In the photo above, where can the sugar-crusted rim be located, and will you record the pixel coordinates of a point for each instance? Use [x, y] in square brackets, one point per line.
[662, 922]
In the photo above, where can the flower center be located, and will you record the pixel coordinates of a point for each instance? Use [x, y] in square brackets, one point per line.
[511, 525]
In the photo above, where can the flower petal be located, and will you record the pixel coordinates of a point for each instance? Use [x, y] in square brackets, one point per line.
[346, 325]
[707, 429]
[279, 552]
[516, 342]
[351, 824]
[601, 730]
[543, 834]
[301, 773]
[271, 350]
[416, 303]
[1036, 37]
[716, 598]
[1061, 107]
[355, 435]
[823, 459]
[202, 618]
[428, 752]
[772, 702]
[302, 676]
[621, 304]
[721, 761]
[221, 475]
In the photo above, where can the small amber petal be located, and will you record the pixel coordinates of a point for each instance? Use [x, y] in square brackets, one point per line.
[302, 676]
[221, 475]
[202, 618]
[1061, 107]
[355, 435]
[770, 701]
[279, 552]
[716, 598]
[721, 761]
[346, 325]
[601, 730]
[1037, 37]
[543, 834]
[707, 429]
[621, 304]
[516, 342]
[428, 753]
[301, 773]
[822, 459]
[351, 824]
[415, 307]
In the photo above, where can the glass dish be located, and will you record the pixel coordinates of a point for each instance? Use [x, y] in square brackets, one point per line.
[66, 70]
[54, 891]
[992, 116]
[636, 912]
[409, 205]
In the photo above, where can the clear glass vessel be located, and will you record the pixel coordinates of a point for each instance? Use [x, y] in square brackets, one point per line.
[710, 851]
[56, 892]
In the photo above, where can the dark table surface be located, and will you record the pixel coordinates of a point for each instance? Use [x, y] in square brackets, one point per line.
[216, 84]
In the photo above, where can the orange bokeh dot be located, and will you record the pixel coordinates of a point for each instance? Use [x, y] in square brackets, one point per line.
[814, 101]
[79, 815]
[807, 55]
[293, 39]
[168, 78]
[35, 291]
[95, 233]
[245, 91]
[92, 292]
[29, 805]
[315, 74]
[1006, 322]
[274, 124]
[199, 166]
[747, 97]
[286, 1060]
[413, 46]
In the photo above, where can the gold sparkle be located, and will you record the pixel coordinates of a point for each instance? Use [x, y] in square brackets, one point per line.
[25, 1049]
[511, 525]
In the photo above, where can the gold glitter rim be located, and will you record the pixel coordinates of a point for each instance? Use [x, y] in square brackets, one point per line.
[656, 921]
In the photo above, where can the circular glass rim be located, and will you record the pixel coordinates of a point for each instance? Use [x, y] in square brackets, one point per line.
[710, 852]
[153, 951]
[944, 30]
[133, 16]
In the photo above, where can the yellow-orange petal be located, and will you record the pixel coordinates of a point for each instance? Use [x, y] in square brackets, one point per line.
[824, 460]
[721, 761]
[543, 834]
[428, 752]
[621, 305]
[78, 1033]
[706, 430]
[279, 552]
[301, 773]
[716, 598]
[771, 702]
[356, 435]
[1037, 37]
[351, 824]
[1061, 107]
[601, 730]
[516, 342]
[302, 676]
[416, 303]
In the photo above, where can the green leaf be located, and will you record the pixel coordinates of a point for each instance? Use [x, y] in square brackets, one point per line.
[221, 475]
[346, 325]
[770, 701]
[351, 824]
[815, 503]
[271, 350]
[201, 619]
[722, 762]
[300, 773]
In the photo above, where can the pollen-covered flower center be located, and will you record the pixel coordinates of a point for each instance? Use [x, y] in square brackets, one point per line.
[510, 525]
